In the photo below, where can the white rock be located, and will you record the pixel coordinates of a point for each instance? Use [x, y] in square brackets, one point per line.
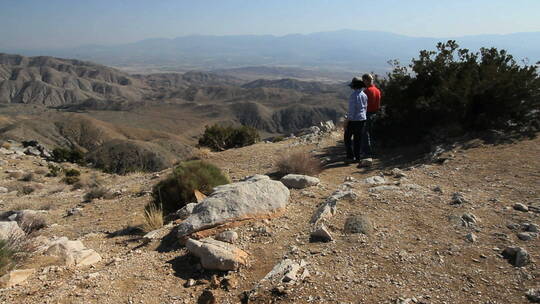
[227, 236]
[471, 237]
[256, 197]
[3, 190]
[216, 255]
[321, 233]
[375, 180]
[299, 181]
[366, 162]
[521, 207]
[15, 277]
[10, 230]
[329, 207]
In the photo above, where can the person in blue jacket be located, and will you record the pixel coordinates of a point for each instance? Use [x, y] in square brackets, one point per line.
[356, 118]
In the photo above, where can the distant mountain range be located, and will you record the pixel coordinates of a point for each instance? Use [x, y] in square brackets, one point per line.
[345, 50]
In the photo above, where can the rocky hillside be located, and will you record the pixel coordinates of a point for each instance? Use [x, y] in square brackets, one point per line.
[458, 226]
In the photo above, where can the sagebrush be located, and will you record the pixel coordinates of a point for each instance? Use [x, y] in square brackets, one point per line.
[299, 162]
[219, 138]
[176, 190]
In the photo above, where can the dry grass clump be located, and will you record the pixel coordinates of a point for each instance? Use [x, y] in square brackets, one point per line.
[28, 177]
[300, 162]
[27, 189]
[153, 218]
[31, 222]
[97, 190]
[41, 171]
[13, 251]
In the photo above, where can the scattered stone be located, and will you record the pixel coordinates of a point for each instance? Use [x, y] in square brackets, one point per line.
[72, 252]
[228, 236]
[285, 271]
[74, 211]
[527, 236]
[184, 212]
[217, 255]
[375, 180]
[471, 237]
[321, 233]
[4, 190]
[256, 197]
[358, 224]
[396, 172]
[384, 188]
[516, 256]
[366, 162]
[533, 295]
[521, 207]
[299, 181]
[329, 207]
[531, 227]
[190, 283]
[469, 220]
[512, 226]
[15, 277]
[350, 179]
[458, 199]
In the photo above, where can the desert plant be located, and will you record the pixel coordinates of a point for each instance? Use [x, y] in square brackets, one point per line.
[278, 138]
[299, 162]
[7, 260]
[153, 217]
[219, 138]
[452, 91]
[173, 192]
[97, 191]
[67, 155]
[28, 177]
[31, 222]
[71, 176]
[54, 171]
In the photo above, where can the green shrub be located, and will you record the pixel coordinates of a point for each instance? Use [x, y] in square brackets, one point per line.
[219, 138]
[68, 155]
[71, 176]
[72, 172]
[453, 91]
[54, 171]
[278, 138]
[177, 189]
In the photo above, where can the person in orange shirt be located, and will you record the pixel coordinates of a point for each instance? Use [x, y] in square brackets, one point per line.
[374, 105]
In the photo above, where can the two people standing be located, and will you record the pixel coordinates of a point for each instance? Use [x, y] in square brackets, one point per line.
[364, 103]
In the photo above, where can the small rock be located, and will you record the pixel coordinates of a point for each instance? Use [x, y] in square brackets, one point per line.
[10, 229]
[3, 190]
[321, 233]
[396, 172]
[531, 227]
[15, 277]
[74, 211]
[458, 199]
[227, 236]
[527, 236]
[521, 207]
[366, 162]
[217, 255]
[299, 181]
[375, 180]
[533, 295]
[207, 297]
[358, 224]
[184, 212]
[469, 219]
[190, 283]
[471, 237]
[517, 256]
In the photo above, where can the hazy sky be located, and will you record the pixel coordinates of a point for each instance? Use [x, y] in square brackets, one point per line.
[61, 23]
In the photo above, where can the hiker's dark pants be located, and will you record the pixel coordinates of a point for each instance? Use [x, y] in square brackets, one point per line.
[353, 138]
[367, 138]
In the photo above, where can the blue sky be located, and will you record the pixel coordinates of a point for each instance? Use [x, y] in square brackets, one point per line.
[64, 23]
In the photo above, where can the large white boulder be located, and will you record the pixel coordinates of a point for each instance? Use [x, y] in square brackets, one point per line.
[256, 197]
[72, 253]
[217, 255]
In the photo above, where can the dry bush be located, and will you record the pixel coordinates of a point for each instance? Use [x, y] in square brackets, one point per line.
[300, 162]
[28, 189]
[14, 250]
[153, 217]
[31, 222]
[28, 177]
[97, 192]
[202, 153]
